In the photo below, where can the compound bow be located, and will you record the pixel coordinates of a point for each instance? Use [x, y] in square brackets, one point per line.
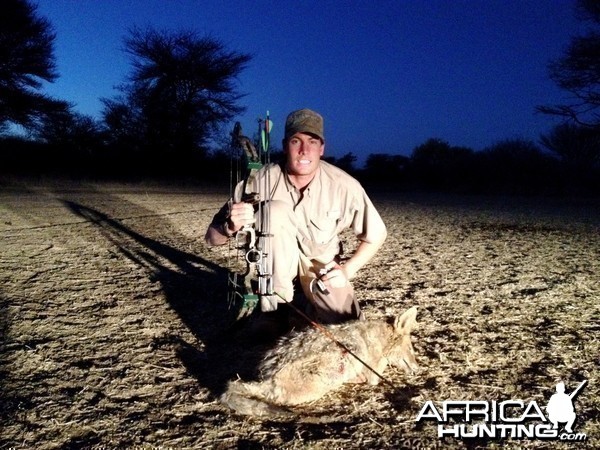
[253, 242]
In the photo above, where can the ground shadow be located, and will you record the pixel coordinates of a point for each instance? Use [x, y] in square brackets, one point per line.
[9, 397]
[196, 289]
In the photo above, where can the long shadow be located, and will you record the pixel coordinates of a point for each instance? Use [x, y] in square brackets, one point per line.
[195, 289]
[9, 397]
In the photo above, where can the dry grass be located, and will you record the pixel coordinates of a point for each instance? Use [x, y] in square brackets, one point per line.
[114, 330]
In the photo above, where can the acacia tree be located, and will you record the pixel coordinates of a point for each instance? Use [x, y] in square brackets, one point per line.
[26, 60]
[179, 92]
[578, 71]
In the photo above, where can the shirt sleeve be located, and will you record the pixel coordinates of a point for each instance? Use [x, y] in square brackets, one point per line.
[368, 224]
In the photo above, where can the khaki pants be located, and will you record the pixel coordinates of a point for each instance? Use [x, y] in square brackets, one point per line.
[291, 263]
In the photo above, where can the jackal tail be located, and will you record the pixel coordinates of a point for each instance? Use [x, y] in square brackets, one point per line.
[243, 398]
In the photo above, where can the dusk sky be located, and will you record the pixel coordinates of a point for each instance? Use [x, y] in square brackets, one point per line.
[386, 75]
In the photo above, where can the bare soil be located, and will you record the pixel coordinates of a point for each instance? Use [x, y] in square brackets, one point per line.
[115, 331]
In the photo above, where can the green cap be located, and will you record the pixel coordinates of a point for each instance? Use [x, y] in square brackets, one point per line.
[304, 121]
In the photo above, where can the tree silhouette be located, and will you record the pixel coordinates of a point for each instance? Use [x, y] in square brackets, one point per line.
[345, 162]
[68, 129]
[576, 146]
[26, 60]
[179, 92]
[578, 72]
[385, 168]
[437, 164]
[516, 165]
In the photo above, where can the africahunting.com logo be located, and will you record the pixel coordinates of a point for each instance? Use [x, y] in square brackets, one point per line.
[514, 419]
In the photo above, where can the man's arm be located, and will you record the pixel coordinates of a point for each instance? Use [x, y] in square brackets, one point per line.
[340, 275]
[363, 254]
[371, 232]
[228, 221]
[215, 235]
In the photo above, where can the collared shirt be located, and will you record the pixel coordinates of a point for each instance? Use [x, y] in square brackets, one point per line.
[332, 202]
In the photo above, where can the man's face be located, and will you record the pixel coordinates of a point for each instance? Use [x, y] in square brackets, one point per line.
[303, 153]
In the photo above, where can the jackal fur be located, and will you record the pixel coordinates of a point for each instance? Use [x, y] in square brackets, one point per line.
[306, 365]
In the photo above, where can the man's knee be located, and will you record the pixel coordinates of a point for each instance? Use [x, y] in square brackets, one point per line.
[336, 305]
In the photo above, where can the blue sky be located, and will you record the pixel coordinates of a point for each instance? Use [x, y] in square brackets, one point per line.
[386, 75]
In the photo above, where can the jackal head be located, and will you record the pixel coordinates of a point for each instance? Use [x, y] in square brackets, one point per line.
[401, 353]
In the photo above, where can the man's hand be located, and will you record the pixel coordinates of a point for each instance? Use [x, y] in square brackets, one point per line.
[335, 277]
[240, 215]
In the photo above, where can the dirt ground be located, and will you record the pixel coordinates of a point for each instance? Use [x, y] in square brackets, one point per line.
[115, 331]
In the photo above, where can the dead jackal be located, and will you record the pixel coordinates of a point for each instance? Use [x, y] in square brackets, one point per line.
[305, 366]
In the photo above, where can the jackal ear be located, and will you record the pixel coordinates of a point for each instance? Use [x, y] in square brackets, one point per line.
[406, 322]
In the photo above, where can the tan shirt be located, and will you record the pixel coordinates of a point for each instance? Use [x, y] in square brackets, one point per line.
[331, 203]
